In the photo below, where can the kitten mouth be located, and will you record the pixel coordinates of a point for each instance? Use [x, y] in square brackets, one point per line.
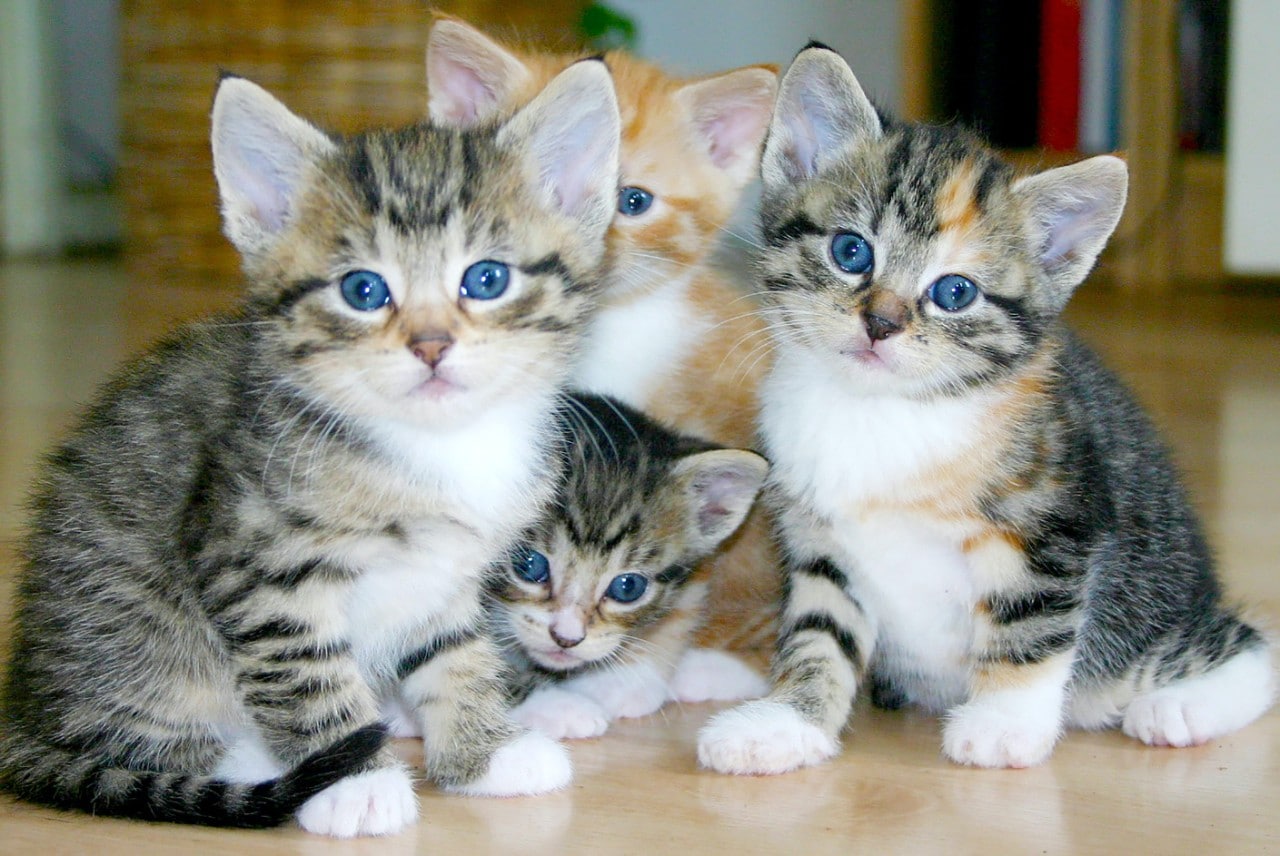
[437, 386]
[866, 357]
[558, 659]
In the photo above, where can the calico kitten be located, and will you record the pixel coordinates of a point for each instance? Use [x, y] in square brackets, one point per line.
[675, 338]
[598, 605]
[278, 517]
[975, 513]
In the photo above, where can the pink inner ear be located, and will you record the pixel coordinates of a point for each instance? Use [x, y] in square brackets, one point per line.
[733, 132]
[458, 94]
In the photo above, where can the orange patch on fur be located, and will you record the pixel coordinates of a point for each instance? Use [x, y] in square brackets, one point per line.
[990, 677]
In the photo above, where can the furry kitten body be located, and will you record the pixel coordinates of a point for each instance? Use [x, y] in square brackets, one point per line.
[599, 604]
[675, 337]
[977, 516]
[279, 517]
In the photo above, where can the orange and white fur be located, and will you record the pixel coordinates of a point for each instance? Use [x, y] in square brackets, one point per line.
[675, 338]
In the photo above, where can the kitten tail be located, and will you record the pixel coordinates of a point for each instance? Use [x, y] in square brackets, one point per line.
[61, 779]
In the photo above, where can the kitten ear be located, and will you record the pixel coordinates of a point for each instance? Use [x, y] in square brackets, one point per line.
[261, 152]
[821, 110]
[470, 77]
[720, 487]
[569, 137]
[1071, 211]
[731, 112]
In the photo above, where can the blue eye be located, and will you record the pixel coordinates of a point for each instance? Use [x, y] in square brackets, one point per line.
[634, 201]
[365, 290]
[532, 566]
[485, 280]
[953, 292]
[852, 252]
[626, 588]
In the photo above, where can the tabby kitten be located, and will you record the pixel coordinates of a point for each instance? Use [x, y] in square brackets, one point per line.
[975, 513]
[277, 518]
[598, 605]
[676, 338]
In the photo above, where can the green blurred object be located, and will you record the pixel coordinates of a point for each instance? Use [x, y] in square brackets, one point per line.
[605, 29]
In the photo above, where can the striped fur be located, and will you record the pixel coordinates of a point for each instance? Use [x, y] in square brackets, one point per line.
[677, 337]
[279, 517]
[978, 518]
[636, 499]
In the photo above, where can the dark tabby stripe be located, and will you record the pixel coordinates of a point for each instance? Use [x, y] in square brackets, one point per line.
[415, 660]
[1010, 609]
[817, 622]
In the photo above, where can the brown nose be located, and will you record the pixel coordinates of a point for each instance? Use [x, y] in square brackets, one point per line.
[563, 641]
[430, 349]
[880, 328]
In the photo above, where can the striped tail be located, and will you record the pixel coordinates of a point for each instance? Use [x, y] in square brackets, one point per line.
[53, 777]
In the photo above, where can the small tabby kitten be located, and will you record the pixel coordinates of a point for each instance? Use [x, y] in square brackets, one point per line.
[278, 518]
[976, 514]
[675, 337]
[598, 606]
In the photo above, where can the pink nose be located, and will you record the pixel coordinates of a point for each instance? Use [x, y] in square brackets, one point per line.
[431, 351]
[564, 641]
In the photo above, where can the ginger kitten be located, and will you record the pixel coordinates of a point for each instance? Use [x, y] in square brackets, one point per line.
[675, 338]
[978, 518]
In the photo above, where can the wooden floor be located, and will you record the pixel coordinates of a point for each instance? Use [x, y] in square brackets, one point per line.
[1209, 368]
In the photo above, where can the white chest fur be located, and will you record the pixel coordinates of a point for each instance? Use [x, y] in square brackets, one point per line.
[855, 463]
[633, 344]
[483, 483]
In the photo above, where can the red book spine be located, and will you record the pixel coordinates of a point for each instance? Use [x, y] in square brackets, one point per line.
[1059, 117]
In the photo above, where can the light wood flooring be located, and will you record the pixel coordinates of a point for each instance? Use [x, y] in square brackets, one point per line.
[1209, 369]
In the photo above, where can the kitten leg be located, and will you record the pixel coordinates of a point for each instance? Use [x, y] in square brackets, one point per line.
[824, 644]
[704, 674]
[1014, 716]
[1195, 710]
[303, 689]
[560, 714]
[399, 718]
[457, 684]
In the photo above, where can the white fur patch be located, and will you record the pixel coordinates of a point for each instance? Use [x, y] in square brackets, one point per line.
[1015, 727]
[247, 760]
[399, 719]
[707, 675]
[561, 714]
[631, 346]
[380, 802]
[762, 738]
[630, 690]
[1196, 710]
[531, 764]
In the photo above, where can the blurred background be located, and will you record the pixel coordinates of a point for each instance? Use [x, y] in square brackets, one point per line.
[104, 103]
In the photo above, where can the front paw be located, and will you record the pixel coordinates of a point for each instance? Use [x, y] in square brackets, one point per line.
[380, 802]
[981, 734]
[762, 738]
[561, 714]
[623, 691]
[706, 675]
[531, 764]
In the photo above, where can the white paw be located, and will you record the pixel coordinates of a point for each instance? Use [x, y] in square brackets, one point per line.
[561, 714]
[983, 734]
[762, 737]
[636, 689]
[1197, 710]
[706, 675]
[380, 802]
[531, 764]
[399, 719]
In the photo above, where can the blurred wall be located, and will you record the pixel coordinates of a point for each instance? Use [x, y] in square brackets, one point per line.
[697, 36]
